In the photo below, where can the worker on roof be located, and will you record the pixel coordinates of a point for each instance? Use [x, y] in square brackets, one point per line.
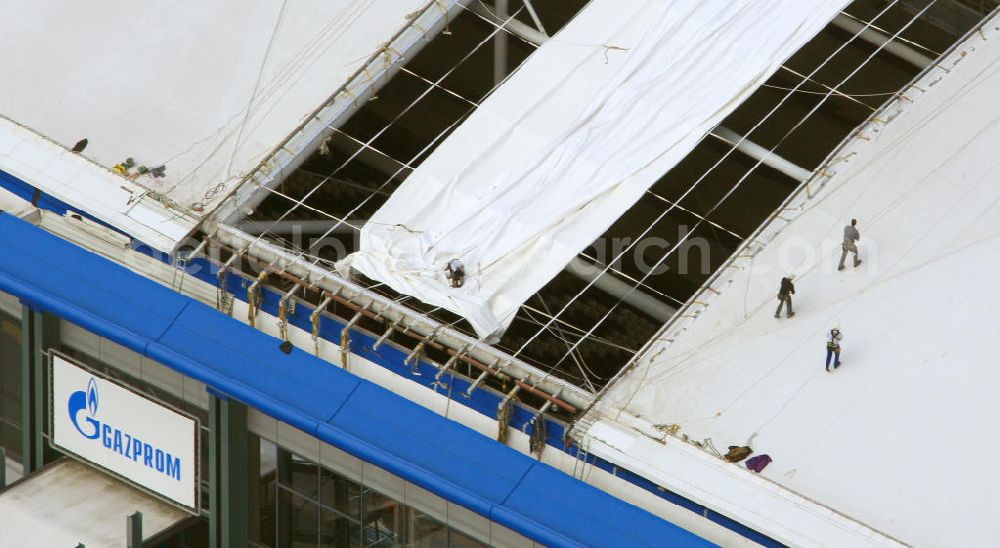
[455, 272]
[125, 167]
[833, 339]
[851, 237]
[785, 293]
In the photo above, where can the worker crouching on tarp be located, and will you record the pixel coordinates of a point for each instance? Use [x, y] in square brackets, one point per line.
[455, 272]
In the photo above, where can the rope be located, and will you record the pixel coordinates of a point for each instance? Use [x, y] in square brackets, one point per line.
[256, 86]
[536, 443]
[311, 49]
[254, 300]
[504, 412]
[698, 223]
[441, 135]
[283, 319]
[345, 348]
[845, 95]
[223, 300]
[315, 329]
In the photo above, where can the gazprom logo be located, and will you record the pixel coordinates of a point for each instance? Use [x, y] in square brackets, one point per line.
[78, 401]
[83, 407]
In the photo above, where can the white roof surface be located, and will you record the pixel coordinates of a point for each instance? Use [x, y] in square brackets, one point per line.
[69, 503]
[180, 83]
[901, 436]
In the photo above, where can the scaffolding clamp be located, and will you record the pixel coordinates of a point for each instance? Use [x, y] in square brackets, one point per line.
[475, 384]
[388, 332]
[413, 358]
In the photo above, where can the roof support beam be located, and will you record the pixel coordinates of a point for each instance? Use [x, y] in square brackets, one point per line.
[534, 17]
[500, 45]
[628, 294]
[302, 226]
[877, 38]
[761, 154]
[515, 27]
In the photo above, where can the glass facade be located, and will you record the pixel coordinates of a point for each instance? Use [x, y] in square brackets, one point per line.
[10, 387]
[306, 505]
[301, 492]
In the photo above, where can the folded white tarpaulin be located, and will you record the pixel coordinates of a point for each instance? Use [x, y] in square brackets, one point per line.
[572, 140]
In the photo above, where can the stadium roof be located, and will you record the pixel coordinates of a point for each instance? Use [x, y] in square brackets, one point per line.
[884, 439]
[247, 111]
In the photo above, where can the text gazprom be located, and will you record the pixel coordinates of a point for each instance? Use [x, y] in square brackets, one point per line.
[133, 448]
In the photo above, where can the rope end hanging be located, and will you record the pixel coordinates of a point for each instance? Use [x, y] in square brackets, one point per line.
[536, 443]
[504, 412]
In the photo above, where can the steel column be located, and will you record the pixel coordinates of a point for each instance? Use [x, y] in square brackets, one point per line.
[134, 530]
[228, 477]
[500, 45]
[39, 332]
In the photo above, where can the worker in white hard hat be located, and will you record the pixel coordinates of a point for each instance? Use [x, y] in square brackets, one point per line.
[833, 338]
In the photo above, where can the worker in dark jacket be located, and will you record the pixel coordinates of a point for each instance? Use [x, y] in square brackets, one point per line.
[851, 237]
[455, 272]
[785, 293]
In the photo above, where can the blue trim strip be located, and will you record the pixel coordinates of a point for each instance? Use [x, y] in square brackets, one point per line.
[26, 192]
[483, 400]
[46, 201]
[327, 402]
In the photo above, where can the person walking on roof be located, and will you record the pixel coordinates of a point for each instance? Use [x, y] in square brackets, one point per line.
[833, 339]
[851, 237]
[785, 293]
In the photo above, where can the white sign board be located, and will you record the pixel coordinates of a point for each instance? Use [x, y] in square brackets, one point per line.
[124, 433]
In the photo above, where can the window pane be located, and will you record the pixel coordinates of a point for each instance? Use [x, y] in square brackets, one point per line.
[337, 529]
[457, 539]
[384, 523]
[425, 531]
[10, 386]
[340, 493]
[303, 522]
[305, 477]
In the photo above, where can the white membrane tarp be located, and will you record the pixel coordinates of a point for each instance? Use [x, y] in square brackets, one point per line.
[572, 140]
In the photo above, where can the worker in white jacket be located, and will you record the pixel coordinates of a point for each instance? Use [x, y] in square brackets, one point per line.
[833, 338]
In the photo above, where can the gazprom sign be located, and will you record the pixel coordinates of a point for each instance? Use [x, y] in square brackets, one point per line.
[124, 433]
